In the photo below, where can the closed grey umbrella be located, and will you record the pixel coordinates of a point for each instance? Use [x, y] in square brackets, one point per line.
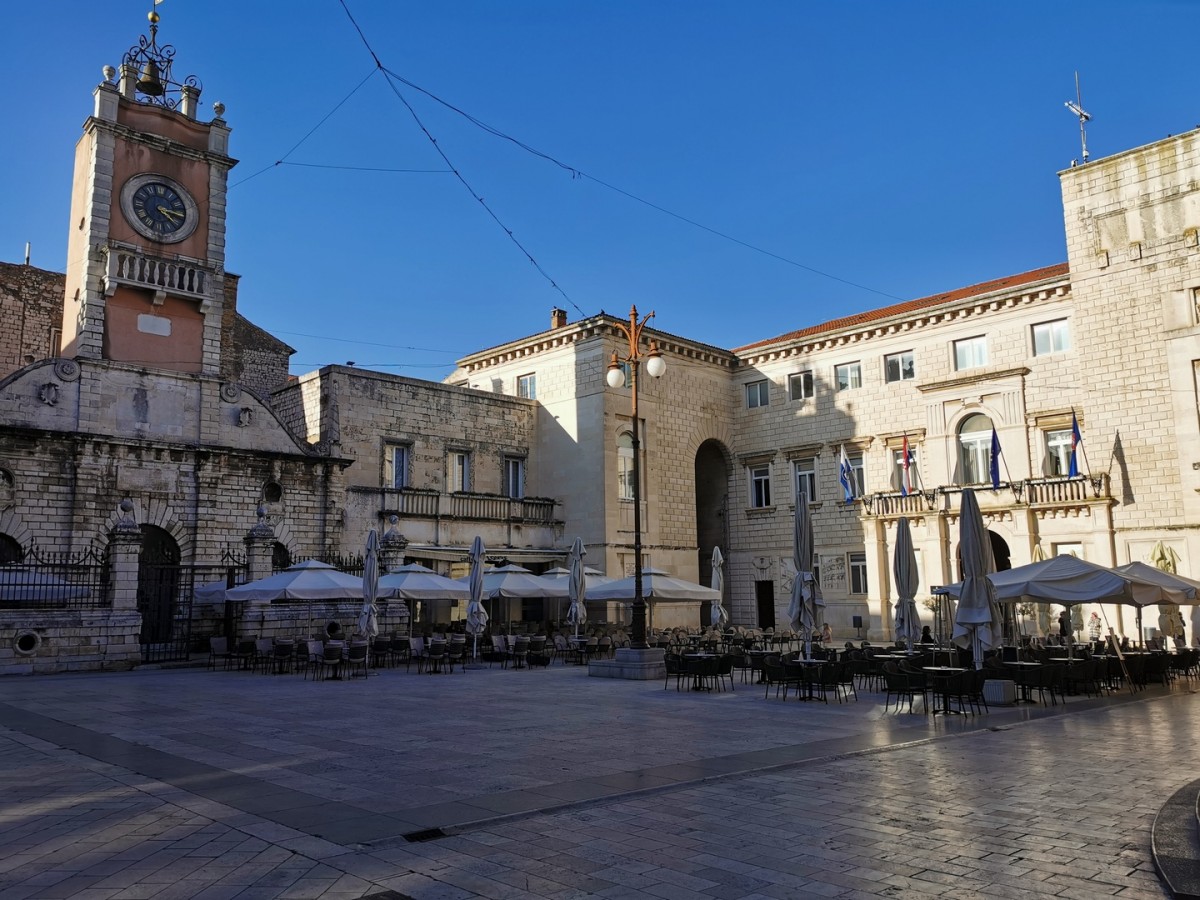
[577, 587]
[806, 596]
[718, 616]
[904, 568]
[368, 619]
[477, 616]
[977, 622]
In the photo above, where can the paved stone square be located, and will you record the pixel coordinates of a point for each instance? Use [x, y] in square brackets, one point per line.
[502, 784]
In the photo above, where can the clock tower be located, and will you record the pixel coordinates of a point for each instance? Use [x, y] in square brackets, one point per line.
[145, 279]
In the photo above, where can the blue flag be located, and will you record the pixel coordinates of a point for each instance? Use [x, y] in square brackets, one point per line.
[846, 476]
[1076, 440]
[995, 467]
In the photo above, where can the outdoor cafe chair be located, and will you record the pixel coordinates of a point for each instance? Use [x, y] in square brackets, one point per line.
[264, 652]
[520, 652]
[331, 660]
[381, 652]
[314, 651]
[775, 676]
[416, 653]
[725, 664]
[244, 654]
[456, 654]
[218, 649]
[435, 658]
[282, 655]
[674, 668]
[356, 659]
[897, 685]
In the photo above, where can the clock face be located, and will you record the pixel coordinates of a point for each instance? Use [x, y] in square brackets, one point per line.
[159, 208]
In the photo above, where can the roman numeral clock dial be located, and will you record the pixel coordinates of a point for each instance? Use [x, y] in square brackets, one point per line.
[158, 208]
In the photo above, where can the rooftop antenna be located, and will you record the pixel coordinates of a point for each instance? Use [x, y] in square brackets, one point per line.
[1082, 114]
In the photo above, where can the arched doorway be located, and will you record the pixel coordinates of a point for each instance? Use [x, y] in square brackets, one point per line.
[158, 586]
[712, 496]
[1002, 556]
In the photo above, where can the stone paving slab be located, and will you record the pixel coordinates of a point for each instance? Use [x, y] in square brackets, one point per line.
[562, 786]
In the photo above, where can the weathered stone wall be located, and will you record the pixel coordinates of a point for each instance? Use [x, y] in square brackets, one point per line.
[1131, 226]
[250, 356]
[31, 303]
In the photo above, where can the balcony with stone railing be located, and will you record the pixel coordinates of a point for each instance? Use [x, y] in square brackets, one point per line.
[420, 503]
[129, 265]
[1039, 493]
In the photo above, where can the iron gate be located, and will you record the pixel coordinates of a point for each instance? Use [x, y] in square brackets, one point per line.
[166, 596]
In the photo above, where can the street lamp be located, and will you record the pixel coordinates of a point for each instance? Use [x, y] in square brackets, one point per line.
[615, 377]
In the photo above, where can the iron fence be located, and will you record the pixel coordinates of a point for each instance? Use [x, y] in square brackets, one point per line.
[56, 580]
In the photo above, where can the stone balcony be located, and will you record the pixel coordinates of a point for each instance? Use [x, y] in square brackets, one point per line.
[1037, 493]
[419, 503]
[126, 264]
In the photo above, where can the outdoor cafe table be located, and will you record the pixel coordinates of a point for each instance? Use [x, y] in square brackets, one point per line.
[697, 675]
[1022, 672]
[756, 659]
[940, 675]
[807, 682]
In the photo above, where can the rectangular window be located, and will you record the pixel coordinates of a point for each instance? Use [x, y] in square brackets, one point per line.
[760, 486]
[395, 465]
[848, 376]
[1051, 337]
[800, 386]
[858, 572]
[625, 466]
[459, 464]
[806, 478]
[899, 367]
[1058, 452]
[858, 473]
[902, 480]
[970, 353]
[756, 394]
[1072, 549]
[527, 386]
[514, 477]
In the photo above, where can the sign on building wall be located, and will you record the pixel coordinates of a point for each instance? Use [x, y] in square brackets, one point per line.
[833, 573]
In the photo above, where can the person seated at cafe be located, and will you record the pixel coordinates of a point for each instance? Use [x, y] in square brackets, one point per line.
[826, 634]
[926, 635]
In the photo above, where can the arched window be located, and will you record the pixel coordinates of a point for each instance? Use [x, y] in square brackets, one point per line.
[974, 450]
[10, 550]
[625, 466]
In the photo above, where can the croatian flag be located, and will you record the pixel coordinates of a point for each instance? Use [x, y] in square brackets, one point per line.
[906, 484]
[995, 461]
[1076, 440]
[846, 476]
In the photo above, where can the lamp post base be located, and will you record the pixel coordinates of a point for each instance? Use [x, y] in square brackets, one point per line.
[631, 664]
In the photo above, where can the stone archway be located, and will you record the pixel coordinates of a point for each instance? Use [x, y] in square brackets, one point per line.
[158, 584]
[712, 498]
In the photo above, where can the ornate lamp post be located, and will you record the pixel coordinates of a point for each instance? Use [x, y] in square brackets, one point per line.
[615, 377]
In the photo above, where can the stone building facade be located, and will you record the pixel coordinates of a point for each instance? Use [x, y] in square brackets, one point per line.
[1109, 341]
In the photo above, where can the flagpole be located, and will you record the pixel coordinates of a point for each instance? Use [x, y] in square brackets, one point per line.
[1075, 425]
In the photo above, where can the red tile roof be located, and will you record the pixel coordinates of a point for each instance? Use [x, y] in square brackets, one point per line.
[910, 306]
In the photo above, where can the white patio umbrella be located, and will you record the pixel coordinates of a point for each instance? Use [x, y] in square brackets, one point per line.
[977, 622]
[719, 617]
[477, 617]
[806, 595]
[904, 568]
[577, 587]
[517, 583]
[656, 585]
[308, 580]
[368, 618]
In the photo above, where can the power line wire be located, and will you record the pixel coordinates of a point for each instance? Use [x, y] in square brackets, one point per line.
[579, 173]
[457, 174]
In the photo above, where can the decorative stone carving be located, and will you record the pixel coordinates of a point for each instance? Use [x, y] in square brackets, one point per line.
[66, 370]
[231, 393]
[48, 393]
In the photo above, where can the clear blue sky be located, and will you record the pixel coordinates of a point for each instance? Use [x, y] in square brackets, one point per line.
[907, 147]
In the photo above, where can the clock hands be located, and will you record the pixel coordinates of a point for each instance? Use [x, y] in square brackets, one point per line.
[171, 214]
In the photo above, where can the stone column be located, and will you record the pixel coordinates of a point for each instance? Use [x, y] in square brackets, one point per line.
[260, 544]
[124, 548]
[392, 545]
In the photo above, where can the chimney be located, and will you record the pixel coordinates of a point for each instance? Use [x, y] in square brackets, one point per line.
[558, 318]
